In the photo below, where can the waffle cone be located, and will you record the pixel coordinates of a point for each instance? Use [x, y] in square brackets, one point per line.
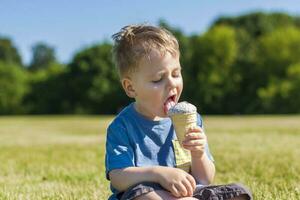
[182, 122]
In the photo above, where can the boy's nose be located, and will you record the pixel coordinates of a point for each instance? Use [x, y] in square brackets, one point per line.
[171, 82]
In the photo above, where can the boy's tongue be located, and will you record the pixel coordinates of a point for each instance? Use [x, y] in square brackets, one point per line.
[169, 103]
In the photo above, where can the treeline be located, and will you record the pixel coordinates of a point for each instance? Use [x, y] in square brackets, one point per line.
[241, 65]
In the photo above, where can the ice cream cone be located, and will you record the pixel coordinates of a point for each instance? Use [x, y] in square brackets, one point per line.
[184, 116]
[182, 122]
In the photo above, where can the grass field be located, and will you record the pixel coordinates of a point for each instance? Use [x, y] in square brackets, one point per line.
[62, 157]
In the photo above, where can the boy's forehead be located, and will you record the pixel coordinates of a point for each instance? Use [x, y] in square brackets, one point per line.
[156, 56]
[153, 56]
[157, 61]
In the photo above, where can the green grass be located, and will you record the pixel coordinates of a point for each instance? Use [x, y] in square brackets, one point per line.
[62, 157]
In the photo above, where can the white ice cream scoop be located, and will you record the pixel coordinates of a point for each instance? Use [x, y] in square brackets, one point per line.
[181, 108]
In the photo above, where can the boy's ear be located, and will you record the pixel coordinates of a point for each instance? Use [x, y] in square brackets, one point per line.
[128, 87]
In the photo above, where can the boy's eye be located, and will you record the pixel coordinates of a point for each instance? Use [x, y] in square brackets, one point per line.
[157, 81]
[176, 73]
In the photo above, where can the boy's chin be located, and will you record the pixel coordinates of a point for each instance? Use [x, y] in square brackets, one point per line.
[160, 116]
[163, 115]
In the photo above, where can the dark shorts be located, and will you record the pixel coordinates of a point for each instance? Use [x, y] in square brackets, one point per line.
[211, 192]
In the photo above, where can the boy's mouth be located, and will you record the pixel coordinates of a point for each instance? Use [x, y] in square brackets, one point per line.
[170, 102]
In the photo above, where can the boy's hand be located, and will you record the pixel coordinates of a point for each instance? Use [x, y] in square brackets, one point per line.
[177, 181]
[195, 141]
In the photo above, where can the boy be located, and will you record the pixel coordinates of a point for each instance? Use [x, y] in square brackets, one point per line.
[140, 156]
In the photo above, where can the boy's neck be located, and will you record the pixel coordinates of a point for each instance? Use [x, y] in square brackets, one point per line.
[154, 118]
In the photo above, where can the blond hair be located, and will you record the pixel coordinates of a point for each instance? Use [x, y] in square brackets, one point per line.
[135, 42]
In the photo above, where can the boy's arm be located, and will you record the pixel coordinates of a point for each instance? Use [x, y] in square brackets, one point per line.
[177, 181]
[122, 179]
[203, 169]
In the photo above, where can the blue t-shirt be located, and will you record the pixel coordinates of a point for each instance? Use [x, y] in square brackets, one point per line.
[135, 141]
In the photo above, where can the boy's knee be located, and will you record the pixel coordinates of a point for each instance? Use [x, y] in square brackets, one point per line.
[157, 195]
[161, 195]
[149, 196]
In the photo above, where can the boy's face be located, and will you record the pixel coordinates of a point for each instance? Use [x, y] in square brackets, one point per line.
[156, 85]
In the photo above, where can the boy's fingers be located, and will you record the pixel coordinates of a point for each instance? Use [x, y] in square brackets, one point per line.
[194, 139]
[189, 187]
[194, 135]
[182, 189]
[199, 142]
[195, 148]
[195, 129]
[192, 181]
[175, 191]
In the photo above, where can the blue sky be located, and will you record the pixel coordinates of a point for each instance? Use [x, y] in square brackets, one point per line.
[69, 26]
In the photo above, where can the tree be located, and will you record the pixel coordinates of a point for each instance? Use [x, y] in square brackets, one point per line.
[43, 56]
[282, 95]
[251, 63]
[258, 23]
[278, 58]
[93, 82]
[9, 53]
[277, 50]
[13, 88]
[47, 90]
[211, 74]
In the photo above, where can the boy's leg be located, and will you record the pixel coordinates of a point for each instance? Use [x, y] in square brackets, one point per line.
[229, 192]
[153, 191]
[161, 195]
[149, 191]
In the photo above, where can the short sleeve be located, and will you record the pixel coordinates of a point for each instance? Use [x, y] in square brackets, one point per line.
[119, 153]
[200, 123]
